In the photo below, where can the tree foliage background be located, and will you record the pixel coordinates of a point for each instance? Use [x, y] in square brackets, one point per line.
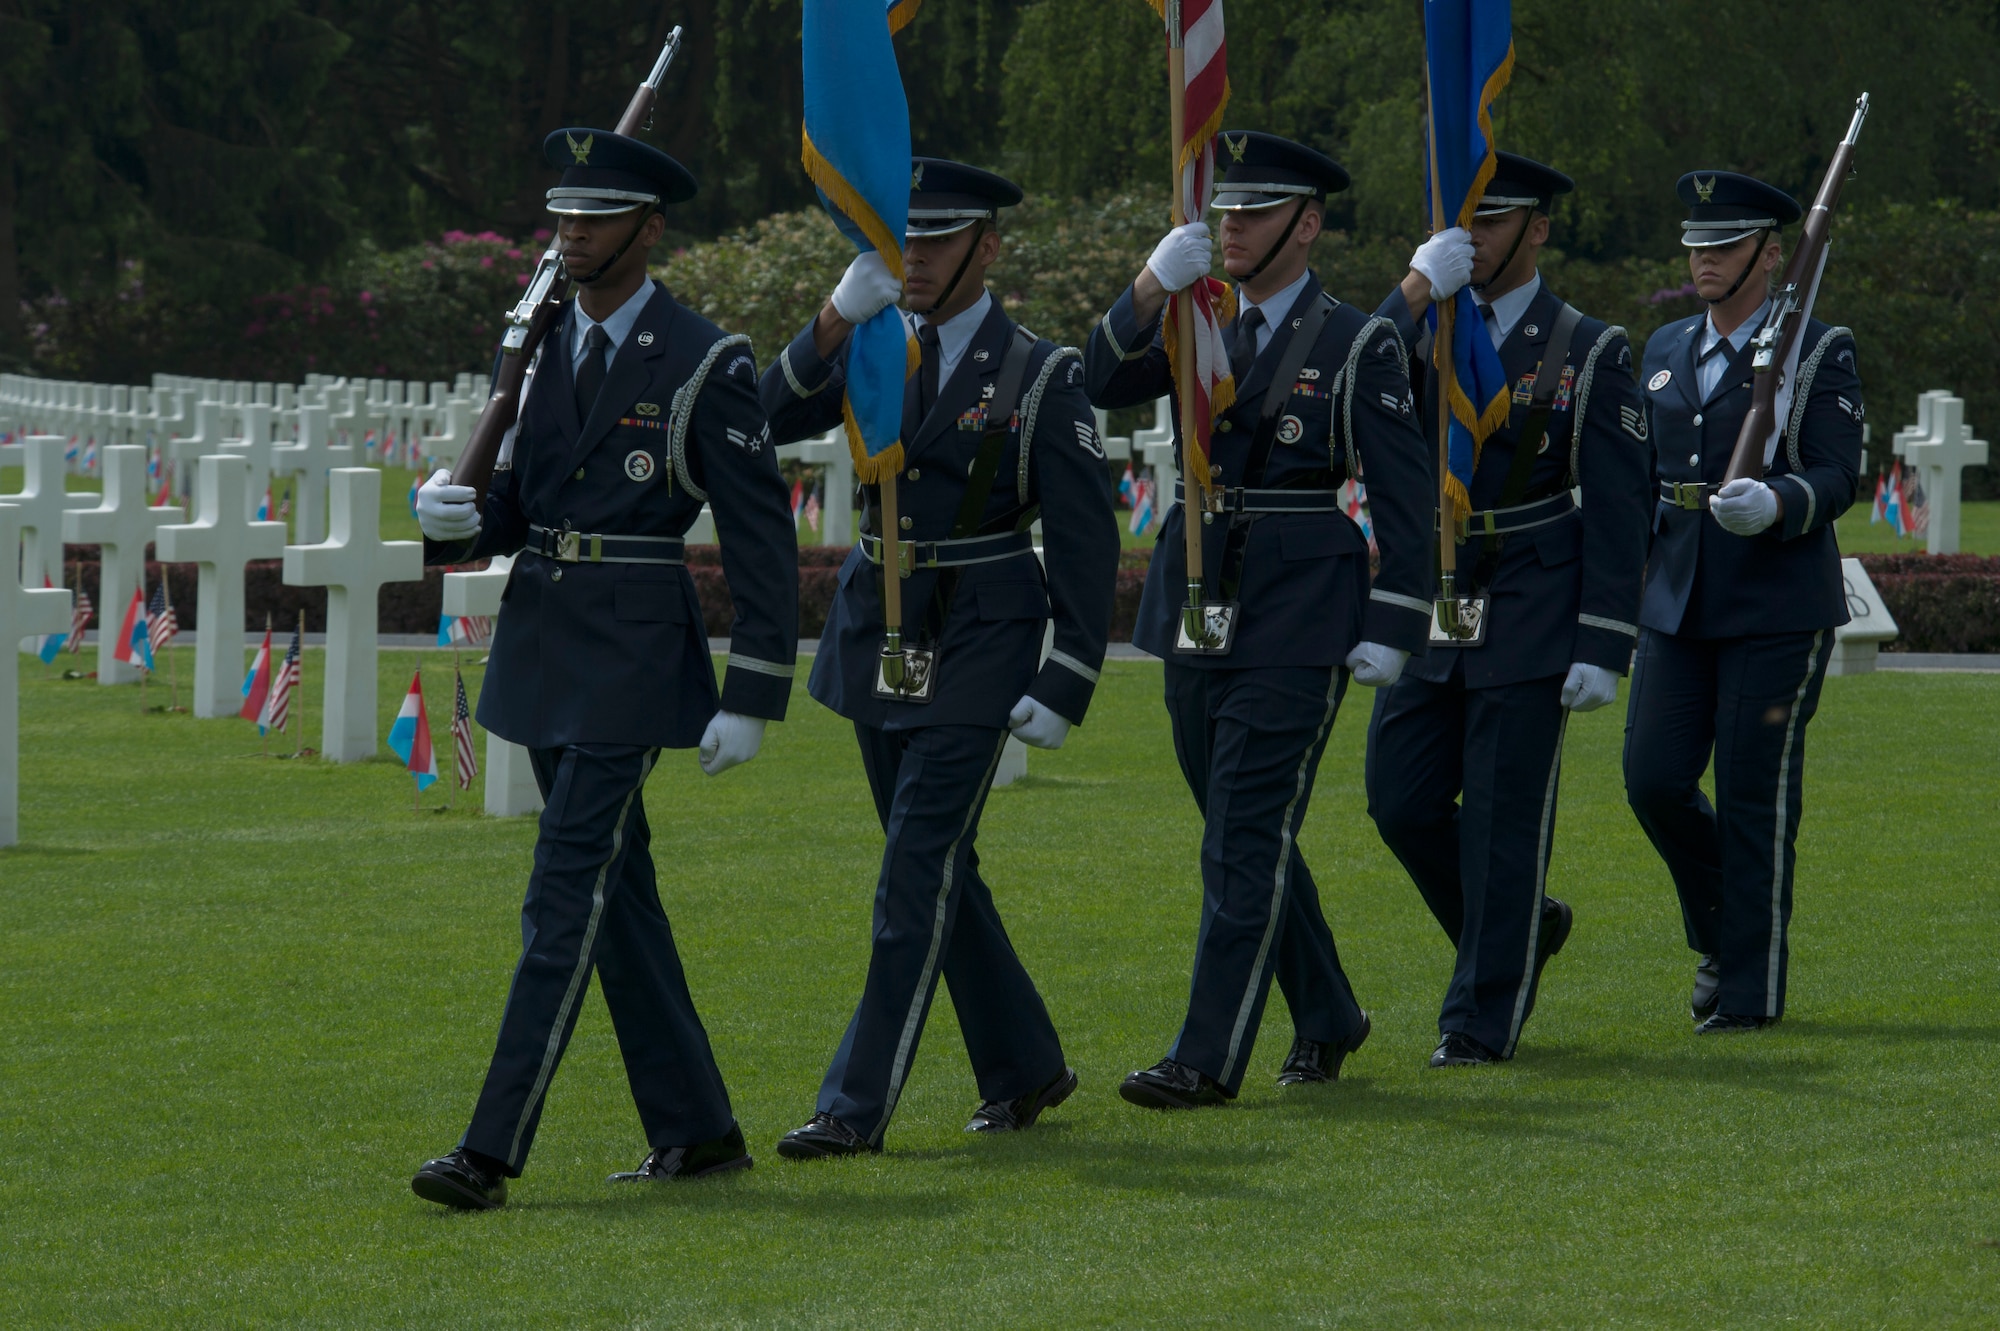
[236, 186]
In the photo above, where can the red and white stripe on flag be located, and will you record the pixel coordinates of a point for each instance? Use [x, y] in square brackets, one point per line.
[1206, 94]
[461, 733]
[285, 679]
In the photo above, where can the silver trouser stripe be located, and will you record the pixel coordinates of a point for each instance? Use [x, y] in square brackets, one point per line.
[737, 661]
[785, 364]
[1397, 598]
[1543, 844]
[1780, 825]
[1069, 662]
[1280, 877]
[582, 971]
[1812, 502]
[1614, 625]
[915, 1019]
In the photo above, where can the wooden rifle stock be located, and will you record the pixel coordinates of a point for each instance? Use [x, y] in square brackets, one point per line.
[1781, 330]
[530, 321]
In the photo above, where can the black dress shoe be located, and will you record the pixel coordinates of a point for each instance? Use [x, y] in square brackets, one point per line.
[1724, 1023]
[1311, 1062]
[1557, 920]
[823, 1136]
[1171, 1085]
[1707, 988]
[1456, 1050]
[462, 1182]
[720, 1156]
[1022, 1111]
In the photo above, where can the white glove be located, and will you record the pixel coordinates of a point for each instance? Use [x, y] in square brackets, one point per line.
[1035, 724]
[1375, 665]
[1183, 256]
[866, 289]
[730, 739]
[1589, 687]
[1446, 259]
[1744, 507]
[446, 511]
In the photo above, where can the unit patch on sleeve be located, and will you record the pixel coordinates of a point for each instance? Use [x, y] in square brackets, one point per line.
[1633, 422]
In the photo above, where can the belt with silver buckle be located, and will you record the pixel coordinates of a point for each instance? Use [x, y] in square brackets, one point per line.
[952, 554]
[1241, 499]
[1503, 521]
[589, 547]
[1691, 495]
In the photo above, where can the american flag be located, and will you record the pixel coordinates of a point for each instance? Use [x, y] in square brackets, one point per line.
[1918, 505]
[285, 505]
[79, 620]
[1196, 26]
[161, 623]
[278, 706]
[461, 733]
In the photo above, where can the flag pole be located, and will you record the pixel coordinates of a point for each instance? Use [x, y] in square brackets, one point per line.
[173, 671]
[1442, 372]
[264, 731]
[892, 586]
[457, 763]
[299, 690]
[1194, 486]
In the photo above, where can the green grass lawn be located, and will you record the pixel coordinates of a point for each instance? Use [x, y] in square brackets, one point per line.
[1978, 532]
[244, 998]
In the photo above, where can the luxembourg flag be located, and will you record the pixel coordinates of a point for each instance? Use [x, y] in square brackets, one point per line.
[1892, 508]
[257, 684]
[135, 638]
[51, 643]
[1126, 485]
[410, 737]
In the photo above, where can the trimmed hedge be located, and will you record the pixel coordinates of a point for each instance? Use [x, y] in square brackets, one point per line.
[1943, 603]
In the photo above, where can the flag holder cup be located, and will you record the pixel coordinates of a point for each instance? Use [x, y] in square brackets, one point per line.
[1457, 621]
[1207, 628]
[904, 674]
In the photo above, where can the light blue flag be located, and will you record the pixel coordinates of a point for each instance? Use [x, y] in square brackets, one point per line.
[1468, 57]
[857, 151]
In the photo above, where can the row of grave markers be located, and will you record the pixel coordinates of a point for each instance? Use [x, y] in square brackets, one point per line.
[347, 555]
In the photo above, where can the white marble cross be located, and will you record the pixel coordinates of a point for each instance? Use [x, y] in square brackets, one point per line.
[256, 446]
[510, 781]
[42, 503]
[120, 525]
[310, 459]
[23, 612]
[221, 540]
[1869, 623]
[352, 564]
[1941, 456]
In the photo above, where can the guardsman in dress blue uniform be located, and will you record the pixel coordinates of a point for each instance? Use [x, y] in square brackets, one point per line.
[1743, 592]
[1323, 390]
[637, 412]
[1464, 750]
[995, 431]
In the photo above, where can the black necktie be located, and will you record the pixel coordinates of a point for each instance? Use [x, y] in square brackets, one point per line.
[927, 338]
[1244, 351]
[1492, 319]
[590, 374]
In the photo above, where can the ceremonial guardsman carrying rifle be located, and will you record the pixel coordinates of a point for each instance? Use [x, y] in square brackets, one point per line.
[995, 432]
[1755, 410]
[1322, 389]
[640, 412]
[1464, 750]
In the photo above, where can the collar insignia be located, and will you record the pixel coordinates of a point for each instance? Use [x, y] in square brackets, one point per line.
[1238, 147]
[581, 150]
[1704, 188]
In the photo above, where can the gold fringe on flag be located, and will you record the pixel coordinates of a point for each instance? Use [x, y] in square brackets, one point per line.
[901, 13]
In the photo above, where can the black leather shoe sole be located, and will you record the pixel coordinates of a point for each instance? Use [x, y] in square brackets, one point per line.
[729, 1166]
[1725, 1024]
[1033, 1106]
[1306, 1075]
[816, 1147]
[1149, 1094]
[447, 1191]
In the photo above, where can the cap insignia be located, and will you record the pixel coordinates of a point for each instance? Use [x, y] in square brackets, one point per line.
[1237, 147]
[581, 150]
[1704, 188]
[917, 176]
